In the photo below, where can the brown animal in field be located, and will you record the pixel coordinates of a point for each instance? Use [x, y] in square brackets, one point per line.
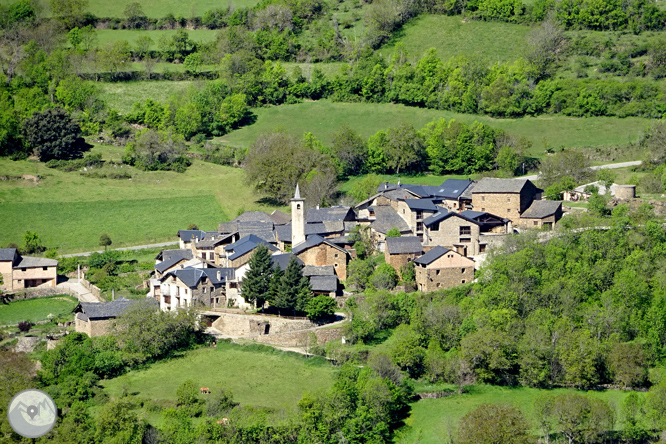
[224, 421]
[205, 390]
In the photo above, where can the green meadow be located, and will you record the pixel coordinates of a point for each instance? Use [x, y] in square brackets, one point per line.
[256, 375]
[35, 310]
[454, 36]
[70, 211]
[132, 35]
[160, 8]
[122, 95]
[324, 118]
[430, 419]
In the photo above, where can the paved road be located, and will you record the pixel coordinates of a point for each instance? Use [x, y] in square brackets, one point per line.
[83, 293]
[138, 247]
[609, 166]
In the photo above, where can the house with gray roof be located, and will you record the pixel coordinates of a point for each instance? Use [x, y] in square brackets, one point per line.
[239, 253]
[506, 198]
[442, 268]
[402, 250]
[21, 272]
[542, 214]
[95, 318]
[190, 286]
[318, 251]
[382, 219]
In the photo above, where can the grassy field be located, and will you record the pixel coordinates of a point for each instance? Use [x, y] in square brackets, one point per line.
[35, 310]
[430, 418]
[123, 95]
[453, 36]
[132, 35]
[257, 376]
[323, 118]
[160, 8]
[70, 211]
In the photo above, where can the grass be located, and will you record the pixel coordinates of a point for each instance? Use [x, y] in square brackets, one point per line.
[132, 35]
[256, 375]
[35, 310]
[123, 95]
[429, 418]
[324, 118]
[160, 8]
[70, 211]
[452, 36]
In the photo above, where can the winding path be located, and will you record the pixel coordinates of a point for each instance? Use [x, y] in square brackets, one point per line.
[609, 166]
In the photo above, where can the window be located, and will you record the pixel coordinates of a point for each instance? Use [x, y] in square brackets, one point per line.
[403, 211]
[298, 206]
[437, 273]
[435, 227]
[336, 265]
[536, 222]
[438, 285]
[336, 255]
[508, 199]
[483, 198]
[45, 268]
[466, 231]
[463, 270]
[419, 226]
[22, 269]
[454, 204]
[204, 290]
[482, 248]
[186, 291]
[419, 215]
[483, 209]
[463, 281]
[508, 210]
[465, 240]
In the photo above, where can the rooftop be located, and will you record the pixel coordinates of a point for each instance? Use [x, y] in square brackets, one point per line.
[324, 270]
[386, 218]
[491, 185]
[432, 255]
[34, 262]
[421, 205]
[7, 254]
[542, 208]
[404, 245]
[324, 283]
[106, 310]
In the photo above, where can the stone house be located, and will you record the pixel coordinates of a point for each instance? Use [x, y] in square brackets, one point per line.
[506, 198]
[383, 218]
[402, 250]
[211, 248]
[414, 211]
[542, 214]
[95, 318]
[442, 268]
[454, 231]
[186, 287]
[240, 252]
[450, 194]
[20, 272]
[187, 238]
[323, 280]
[319, 251]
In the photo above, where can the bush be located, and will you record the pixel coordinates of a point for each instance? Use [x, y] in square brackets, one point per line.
[24, 326]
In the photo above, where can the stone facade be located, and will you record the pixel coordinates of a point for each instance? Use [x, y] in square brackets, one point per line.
[455, 233]
[540, 223]
[6, 271]
[93, 327]
[448, 271]
[232, 324]
[34, 277]
[506, 205]
[326, 254]
[398, 260]
[174, 294]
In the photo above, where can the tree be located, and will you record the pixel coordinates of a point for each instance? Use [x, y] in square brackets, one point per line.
[545, 43]
[193, 227]
[256, 284]
[219, 401]
[350, 150]
[393, 232]
[493, 424]
[293, 291]
[365, 187]
[105, 241]
[136, 18]
[580, 419]
[142, 46]
[606, 177]
[192, 63]
[118, 423]
[187, 394]
[116, 56]
[359, 237]
[157, 150]
[71, 12]
[52, 134]
[320, 307]
[384, 277]
[629, 365]
[358, 273]
[32, 243]
[597, 204]
[406, 351]
[565, 163]
[405, 149]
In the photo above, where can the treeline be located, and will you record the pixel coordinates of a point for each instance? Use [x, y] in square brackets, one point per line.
[276, 162]
[581, 310]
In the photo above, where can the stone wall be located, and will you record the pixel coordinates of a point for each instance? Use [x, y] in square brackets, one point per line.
[31, 293]
[95, 290]
[93, 328]
[398, 260]
[250, 325]
[325, 254]
[301, 338]
[448, 235]
[505, 205]
[436, 279]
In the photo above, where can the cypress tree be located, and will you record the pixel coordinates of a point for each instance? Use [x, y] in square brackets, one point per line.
[294, 288]
[257, 280]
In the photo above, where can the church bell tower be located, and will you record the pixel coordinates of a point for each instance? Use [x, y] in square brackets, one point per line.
[297, 218]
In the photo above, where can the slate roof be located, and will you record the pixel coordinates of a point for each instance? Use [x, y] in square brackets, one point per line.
[386, 218]
[245, 245]
[542, 208]
[34, 262]
[312, 241]
[467, 194]
[106, 310]
[280, 217]
[437, 217]
[431, 255]
[491, 185]
[263, 230]
[7, 254]
[190, 235]
[165, 265]
[212, 241]
[481, 217]
[253, 216]
[192, 276]
[338, 213]
[421, 205]
[225, 274]
[403, 245]
[283, 232]
[168, 254]
[450, 189]
[340, 240]
[324, 270]
[282, 260]
[324, 283]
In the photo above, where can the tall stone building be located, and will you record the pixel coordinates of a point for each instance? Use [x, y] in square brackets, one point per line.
[297, 218]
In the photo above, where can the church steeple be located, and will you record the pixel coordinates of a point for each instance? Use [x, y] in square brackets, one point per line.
[297, 218]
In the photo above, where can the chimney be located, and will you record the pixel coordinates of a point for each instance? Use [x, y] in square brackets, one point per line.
[196, 239]
[317, 206]
[219, 275]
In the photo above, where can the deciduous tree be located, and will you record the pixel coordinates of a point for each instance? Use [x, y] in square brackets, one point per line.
[493, 424]
[52, 134]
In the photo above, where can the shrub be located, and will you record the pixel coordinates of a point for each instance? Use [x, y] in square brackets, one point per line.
[24, 326]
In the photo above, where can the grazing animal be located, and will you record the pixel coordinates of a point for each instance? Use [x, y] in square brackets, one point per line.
[205, 390]
[224, 421]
